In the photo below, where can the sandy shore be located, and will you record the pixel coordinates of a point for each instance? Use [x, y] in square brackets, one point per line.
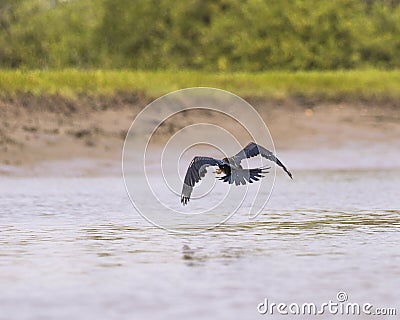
[86, 135]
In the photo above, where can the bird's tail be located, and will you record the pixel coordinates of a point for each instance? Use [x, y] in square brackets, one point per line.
[245, 175]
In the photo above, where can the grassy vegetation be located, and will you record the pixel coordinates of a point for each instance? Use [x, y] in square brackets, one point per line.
[366, 84]
[208, 35]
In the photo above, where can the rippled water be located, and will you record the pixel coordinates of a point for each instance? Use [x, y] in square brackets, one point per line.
[75, 248]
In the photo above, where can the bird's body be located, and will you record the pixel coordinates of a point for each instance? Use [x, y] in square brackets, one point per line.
[231, 167]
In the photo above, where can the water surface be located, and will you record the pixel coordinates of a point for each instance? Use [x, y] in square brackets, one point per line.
[76, 248]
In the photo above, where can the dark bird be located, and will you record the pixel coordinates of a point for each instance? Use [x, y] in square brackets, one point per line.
[234, 172]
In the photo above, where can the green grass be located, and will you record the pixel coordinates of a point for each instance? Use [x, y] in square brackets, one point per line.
[365, 84]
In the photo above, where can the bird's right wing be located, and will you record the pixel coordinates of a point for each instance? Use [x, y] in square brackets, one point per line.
[253, 149]
[197, 170]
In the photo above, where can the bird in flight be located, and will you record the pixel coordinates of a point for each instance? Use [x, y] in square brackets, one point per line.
[231, 167]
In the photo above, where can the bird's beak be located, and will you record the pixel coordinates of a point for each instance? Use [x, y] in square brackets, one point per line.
[218, 171]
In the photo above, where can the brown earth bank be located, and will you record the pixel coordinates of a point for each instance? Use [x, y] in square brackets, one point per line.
[44, 129]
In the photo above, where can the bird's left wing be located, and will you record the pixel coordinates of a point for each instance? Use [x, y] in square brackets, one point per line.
[197, 170]
[253, 149]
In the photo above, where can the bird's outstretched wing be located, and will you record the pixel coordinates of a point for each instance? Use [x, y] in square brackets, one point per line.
[197, 170]
[253, 149]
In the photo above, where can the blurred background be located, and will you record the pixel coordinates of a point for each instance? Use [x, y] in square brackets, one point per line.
[219, 35]
[323, 75]
[74, 74]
